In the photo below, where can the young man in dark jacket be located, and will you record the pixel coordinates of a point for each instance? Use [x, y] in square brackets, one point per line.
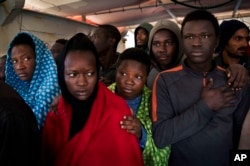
[194, 109]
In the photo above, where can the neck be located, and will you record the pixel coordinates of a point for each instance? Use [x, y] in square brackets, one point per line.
[203, 67]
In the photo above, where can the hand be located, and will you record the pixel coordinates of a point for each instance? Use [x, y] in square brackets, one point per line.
[132, 125]
[218, 98]
[237, 76]
[53, 106]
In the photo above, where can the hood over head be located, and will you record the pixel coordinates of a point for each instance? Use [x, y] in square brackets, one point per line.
[173, 27]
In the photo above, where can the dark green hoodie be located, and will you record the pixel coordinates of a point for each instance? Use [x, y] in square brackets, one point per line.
[148, 28]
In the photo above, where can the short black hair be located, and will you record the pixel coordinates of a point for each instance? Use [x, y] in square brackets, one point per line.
[201, 15]
[61, 41]
[136, 54]
[111, 31]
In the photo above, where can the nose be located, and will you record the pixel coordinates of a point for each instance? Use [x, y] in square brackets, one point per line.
[196, 41]
[82, 80]
[19, 65]
[129, 80]
[138, 36]
[245, 42]
[163, 47]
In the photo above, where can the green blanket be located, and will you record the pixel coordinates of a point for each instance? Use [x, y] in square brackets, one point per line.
[151, 154]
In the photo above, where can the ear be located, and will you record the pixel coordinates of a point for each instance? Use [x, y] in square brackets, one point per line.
[217, 42]
[111, 41]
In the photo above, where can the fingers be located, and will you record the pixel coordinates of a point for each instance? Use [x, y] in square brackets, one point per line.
[237, 76]
[209, 83]
[132, 125]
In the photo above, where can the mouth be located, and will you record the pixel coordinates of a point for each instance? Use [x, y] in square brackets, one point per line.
[139, 42]
[82, 93]
[242, 51]
[196, 53]
[128, 90]
[22, 75]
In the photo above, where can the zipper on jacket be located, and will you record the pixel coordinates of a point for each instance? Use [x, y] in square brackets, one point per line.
[204, 81]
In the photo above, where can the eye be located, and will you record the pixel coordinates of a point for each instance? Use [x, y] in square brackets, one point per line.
[89, 74]
[123, 74]
[169, 43]
[26, 59]
[188, 37]
[205, 36]
[139, 77]
[14, 61]
[72, 74]
[156, 44]
[238, 38]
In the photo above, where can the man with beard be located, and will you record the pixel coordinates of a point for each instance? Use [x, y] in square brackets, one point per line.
[234, 37]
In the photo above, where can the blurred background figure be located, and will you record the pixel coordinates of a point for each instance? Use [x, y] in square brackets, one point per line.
[2, 67]
[57, 47]
[142, 36]
[19, 134]
[106, 39]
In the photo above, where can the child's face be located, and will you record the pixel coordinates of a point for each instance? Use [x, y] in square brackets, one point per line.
[131, 77]
[80, 73]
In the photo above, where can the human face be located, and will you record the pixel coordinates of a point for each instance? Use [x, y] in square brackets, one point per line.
[164, 48]
[237, 44]
[141, 37]
[56, 49]
[80, 73]
[24, 61]
[131, 77]
[199, 40]
[2, 69]
[100, 40]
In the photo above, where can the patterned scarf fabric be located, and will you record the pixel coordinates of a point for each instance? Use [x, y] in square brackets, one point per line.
[152, 156]
[41, 90]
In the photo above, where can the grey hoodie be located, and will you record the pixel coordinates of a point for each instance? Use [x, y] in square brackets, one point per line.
[173, 27]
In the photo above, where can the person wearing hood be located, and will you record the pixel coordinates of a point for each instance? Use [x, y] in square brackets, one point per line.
[31, 71]
[142, 35]
[232, 47]
[165, 48]
[85, 129]
[166, 51]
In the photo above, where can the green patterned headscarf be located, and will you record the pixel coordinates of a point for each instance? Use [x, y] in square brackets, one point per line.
[152, 156]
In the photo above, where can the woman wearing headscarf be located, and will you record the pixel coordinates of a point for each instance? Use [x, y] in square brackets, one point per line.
[85, 129]
[31, 71]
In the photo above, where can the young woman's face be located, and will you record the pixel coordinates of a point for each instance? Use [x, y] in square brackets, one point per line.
[131, 77]
[24, 61]
[80, 73]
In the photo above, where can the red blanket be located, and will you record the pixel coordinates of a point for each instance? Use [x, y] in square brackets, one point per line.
[100, 142]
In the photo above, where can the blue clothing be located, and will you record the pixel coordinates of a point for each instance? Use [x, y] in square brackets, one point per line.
[43, 87]
[134, 104]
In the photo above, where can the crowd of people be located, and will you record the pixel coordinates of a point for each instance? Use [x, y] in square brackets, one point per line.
[179, 97]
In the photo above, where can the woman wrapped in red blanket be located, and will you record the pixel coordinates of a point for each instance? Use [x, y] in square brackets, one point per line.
[85, 129]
